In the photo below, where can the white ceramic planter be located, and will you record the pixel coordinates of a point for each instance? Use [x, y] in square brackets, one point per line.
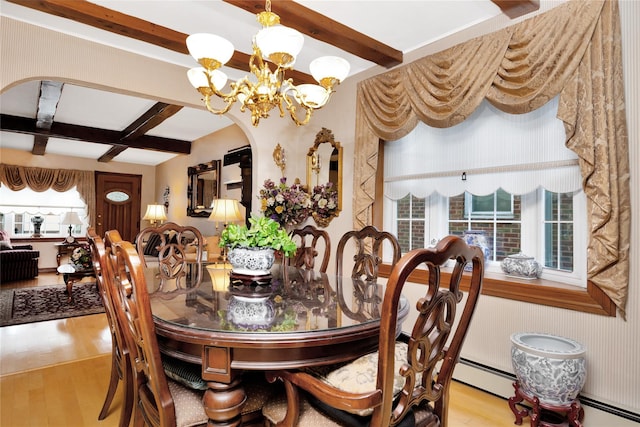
[549, 367]
[251, 261]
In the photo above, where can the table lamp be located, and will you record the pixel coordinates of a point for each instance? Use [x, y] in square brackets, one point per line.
[225, 211]
[154, 214]
[72, 219]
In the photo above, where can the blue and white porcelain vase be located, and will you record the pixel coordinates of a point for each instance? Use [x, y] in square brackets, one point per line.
[476, 238]
[549, 367]
[521, 265]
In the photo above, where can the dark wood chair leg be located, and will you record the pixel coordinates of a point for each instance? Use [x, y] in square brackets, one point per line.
[113, 385]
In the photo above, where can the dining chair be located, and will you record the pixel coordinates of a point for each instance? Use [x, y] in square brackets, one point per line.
[166, 392]
[165, 246]
[310, 240]
[406, 381]
[368, 243]
[120, 367]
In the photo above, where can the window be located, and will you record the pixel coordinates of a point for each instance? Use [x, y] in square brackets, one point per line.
[21, 210]
[519, 185]
[499, 203]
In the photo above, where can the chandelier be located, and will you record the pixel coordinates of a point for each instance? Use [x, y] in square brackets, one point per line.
[266, 89]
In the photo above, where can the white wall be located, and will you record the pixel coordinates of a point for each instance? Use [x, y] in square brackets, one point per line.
[612, 343]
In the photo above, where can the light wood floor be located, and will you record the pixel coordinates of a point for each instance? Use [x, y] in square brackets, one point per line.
[56, 373]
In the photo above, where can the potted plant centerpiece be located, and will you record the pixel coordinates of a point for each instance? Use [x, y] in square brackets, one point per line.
[251, 250]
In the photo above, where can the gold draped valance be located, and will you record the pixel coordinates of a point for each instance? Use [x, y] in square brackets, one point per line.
[573, 51]
[17, 178]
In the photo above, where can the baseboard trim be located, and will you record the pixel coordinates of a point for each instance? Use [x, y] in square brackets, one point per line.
[499, 383]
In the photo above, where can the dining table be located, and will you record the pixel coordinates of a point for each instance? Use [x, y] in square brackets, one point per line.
[291, 318]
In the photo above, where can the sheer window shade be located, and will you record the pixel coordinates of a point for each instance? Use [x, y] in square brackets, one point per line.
[517, 153]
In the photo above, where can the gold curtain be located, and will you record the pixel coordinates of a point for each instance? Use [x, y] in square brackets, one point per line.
[17, 178]
[573, 50]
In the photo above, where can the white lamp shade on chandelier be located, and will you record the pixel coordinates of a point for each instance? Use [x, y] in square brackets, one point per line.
[155, 213]
[225, 211]
[277, 44]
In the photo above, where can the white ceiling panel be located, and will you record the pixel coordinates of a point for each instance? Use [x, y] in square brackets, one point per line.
[99, 109]
[143, 157]
[78, 148]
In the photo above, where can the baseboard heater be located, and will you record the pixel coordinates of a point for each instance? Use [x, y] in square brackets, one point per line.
[586, 401]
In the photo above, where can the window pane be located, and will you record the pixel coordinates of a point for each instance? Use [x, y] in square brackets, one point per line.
[566, 247]
[417, 234]
[404, 230]
[566, 207]
[550, 206]
[456, 208]
[550, 247]
[417, 208]
[507, 239]
[482, 204]
[404, 207]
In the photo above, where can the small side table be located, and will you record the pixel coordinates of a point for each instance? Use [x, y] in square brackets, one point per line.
[545, 414]
[71, 275]
[65, 249]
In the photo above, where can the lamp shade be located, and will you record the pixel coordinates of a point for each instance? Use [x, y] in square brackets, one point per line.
[203, 46]
[279, 44]
[198, 78]
[329, 67]
[314, 96]
[155, 213]
[71, 218]
[225, 211]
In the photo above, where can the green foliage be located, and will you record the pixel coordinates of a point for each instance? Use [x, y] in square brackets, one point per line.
[262, 233]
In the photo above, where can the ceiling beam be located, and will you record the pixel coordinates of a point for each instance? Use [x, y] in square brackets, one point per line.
[150, 119]
[111, 153]
[320, 27]
[517, 8]
[28, 126]
[47, 105]
[129, 26]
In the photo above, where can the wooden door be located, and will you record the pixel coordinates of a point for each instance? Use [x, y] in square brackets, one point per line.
[118, 204]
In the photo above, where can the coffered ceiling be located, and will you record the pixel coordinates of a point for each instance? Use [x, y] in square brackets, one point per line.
[50, 117]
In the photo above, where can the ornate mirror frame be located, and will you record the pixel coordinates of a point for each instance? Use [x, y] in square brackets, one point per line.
[324, 164]
[203, 187]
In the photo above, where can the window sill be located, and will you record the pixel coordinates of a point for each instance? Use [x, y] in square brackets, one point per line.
[544, 292]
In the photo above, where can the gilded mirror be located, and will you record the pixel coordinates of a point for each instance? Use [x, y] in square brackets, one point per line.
[203, 188]
[324, 165]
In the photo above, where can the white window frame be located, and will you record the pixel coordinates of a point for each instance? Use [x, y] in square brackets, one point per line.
[532, 232]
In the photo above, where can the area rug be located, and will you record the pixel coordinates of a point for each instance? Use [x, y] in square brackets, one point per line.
[41, 303]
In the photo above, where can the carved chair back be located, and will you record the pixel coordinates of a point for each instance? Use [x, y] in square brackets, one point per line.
[369, 243]
[436, 339]
[120, 366]
[310, 240]
[154, 404]
[412, 374]
[178, 269]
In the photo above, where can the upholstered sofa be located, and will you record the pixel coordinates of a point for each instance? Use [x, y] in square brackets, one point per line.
[17, 262]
